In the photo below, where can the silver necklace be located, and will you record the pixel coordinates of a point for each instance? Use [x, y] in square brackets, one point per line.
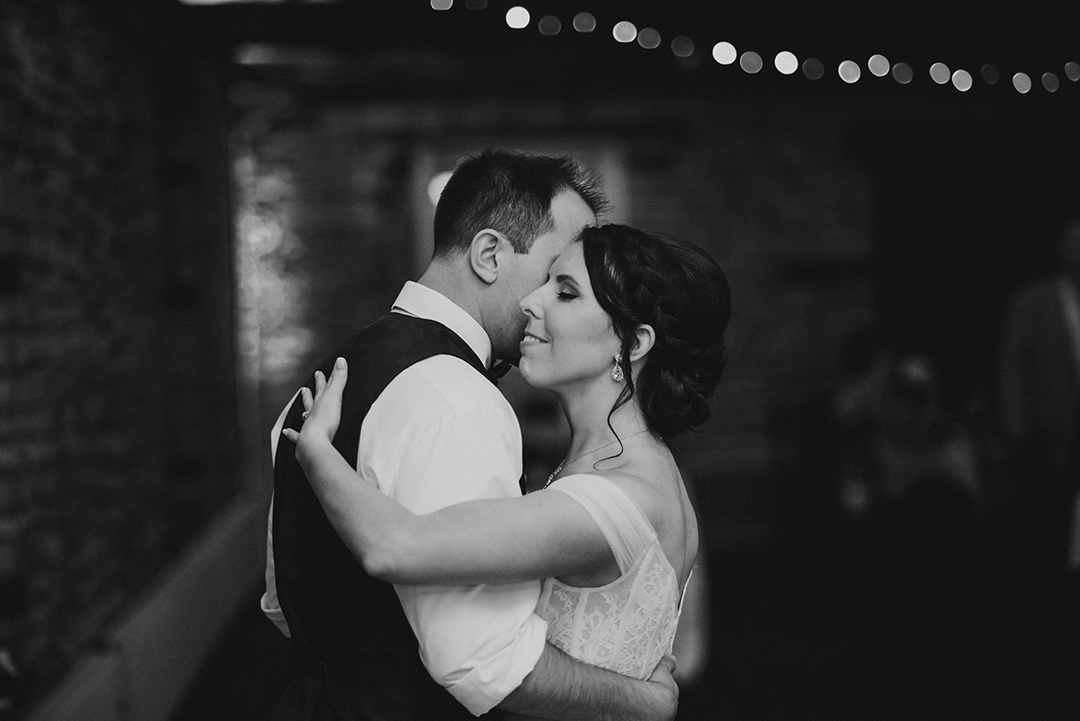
[566, 462]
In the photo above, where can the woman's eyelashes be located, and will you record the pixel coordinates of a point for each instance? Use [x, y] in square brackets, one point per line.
[565, 295]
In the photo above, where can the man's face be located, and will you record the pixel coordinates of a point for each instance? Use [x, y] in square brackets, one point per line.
[525, 272]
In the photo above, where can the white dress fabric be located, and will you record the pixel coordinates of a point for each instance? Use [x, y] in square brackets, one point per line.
[629, 624]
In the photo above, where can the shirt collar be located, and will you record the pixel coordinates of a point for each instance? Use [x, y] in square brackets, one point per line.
[423, 302]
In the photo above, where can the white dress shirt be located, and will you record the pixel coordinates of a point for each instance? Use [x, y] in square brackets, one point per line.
[441, 433]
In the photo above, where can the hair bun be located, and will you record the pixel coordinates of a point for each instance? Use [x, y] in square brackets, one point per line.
[680, 291]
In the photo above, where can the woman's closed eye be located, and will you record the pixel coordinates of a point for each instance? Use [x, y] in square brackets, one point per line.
[565, 295]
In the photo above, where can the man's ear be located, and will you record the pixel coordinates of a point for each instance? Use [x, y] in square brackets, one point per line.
[644, 339]
[484, 254]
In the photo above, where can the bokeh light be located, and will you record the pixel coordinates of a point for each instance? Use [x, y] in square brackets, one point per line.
[549, 25]
[442, 4]
[786, 62]
[682, 47]
[751, 62]
[724, 53]
[624, 31]
[584, 22]
[1022, 83]
[1072, 71]
[648, 38]
[902, 73]
[849, 71]
[813, 68]
[989, 74]
[961, 80]
[940, 73]
[878, 66]
[517, 17]
[1050, 82]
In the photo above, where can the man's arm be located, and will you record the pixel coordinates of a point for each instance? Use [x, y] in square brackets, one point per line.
[561, 687]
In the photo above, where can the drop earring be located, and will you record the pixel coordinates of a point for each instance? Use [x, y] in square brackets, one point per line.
[617, 371]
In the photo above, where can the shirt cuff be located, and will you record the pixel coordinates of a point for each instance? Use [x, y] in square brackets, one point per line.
[273, 612]
[489, 682]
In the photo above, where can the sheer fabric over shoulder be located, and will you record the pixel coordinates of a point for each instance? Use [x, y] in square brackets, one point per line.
[626, 625]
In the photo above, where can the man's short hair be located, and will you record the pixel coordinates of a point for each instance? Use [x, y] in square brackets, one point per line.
[509, 192]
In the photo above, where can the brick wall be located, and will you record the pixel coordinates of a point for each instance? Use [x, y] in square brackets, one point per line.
[116, 426]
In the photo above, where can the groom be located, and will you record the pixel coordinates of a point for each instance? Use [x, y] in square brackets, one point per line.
[423, 422]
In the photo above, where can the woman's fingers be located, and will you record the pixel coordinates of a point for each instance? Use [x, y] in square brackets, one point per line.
[290, 434]
[338, 377]
[320, 383]
[305, 398]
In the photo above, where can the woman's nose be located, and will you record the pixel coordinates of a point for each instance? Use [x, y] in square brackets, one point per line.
[529, 305]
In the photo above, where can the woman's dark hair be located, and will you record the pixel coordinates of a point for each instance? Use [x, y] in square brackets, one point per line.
[510, 192]
[680, 291]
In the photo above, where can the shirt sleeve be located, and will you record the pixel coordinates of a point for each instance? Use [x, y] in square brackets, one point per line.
[439, 434]
[269, 601]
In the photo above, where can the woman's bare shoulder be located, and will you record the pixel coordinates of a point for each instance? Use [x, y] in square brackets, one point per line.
[653, 487]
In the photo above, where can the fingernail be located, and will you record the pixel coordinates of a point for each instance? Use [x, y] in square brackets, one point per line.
[339, 363]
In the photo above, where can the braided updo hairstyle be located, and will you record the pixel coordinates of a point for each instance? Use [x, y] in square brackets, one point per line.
[680, 291]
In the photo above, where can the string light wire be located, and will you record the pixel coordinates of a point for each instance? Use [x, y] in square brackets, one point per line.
[724, 53]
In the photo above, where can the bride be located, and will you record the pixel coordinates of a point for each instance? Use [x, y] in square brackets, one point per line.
[628, 333]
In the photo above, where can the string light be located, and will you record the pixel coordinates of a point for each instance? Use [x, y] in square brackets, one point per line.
[649, 39]
[724, 53]
[849, 71]
[751, 62]
[961, 80]
[549, 25]
[939, 73]
[682, 47]
[624, 31]
[813, 69]
[786, 63]
[517, 17]
[902, 73]
[878, 65]
[584, 22]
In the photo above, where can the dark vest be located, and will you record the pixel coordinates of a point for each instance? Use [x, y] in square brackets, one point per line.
[353, 643]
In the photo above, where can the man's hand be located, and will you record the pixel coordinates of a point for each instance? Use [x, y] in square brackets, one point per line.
[561, 687]
[664, 676]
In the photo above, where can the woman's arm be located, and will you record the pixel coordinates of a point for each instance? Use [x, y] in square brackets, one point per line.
[483, 541]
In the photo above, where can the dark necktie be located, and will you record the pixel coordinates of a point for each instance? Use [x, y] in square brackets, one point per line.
[497, 371]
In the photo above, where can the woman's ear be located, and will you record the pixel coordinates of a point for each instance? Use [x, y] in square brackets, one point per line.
[484, 254]
[644, 338]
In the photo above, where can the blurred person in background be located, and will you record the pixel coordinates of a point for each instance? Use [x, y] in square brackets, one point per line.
[912, 471]
[1038, 396]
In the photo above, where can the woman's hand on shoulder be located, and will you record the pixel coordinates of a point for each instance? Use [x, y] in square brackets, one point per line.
[322, 413]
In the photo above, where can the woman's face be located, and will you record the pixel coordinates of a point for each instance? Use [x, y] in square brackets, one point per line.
[569, 338]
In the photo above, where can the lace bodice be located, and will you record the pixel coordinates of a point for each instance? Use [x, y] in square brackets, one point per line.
[626, 625]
